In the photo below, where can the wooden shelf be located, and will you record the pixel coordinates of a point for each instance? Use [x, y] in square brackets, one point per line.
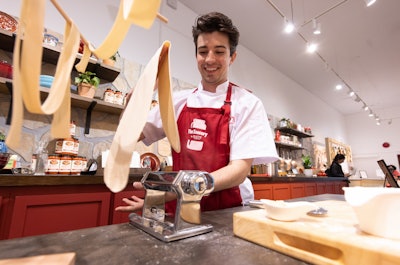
[88, 104]
[288, 146]
[51, 55]
[294, 132]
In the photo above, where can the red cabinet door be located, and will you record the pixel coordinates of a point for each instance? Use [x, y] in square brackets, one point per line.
[122, 217]
[321, 187]
[310, 189]
[42, 214]
[281, 191]
[262, 191]
[330, 187]
[339, 187]
[297, 190]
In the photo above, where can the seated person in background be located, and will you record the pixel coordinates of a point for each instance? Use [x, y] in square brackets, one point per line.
[394, 171]
[335, 169]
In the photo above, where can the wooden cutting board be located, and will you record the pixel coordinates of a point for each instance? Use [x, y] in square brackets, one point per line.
[333, 239]
[54, 259]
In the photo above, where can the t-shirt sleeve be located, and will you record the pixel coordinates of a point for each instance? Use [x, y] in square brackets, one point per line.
[153, 129]
[251, 136]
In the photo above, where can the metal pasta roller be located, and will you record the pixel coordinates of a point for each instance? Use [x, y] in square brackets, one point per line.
[188, 186]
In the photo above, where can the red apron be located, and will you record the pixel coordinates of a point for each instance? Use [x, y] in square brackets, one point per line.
[204, 138]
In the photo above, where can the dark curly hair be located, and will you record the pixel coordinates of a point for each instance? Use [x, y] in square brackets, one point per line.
[216, 21]
[339, 157]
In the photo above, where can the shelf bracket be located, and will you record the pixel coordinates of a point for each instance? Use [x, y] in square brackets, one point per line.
[9, 115]
[89, 116]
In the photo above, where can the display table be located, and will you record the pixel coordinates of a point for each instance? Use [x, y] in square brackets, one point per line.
[366, 182]
[124, 244]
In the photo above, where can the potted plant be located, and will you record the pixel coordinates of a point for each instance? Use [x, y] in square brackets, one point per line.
[87, 83]
[111, 61]
[307, 163]
[284, 122]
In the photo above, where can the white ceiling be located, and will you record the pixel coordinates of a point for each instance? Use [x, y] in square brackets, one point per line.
[360, 44]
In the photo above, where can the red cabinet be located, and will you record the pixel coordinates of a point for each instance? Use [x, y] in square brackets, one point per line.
[122, 217]
[42, 214]
[330, 187]
[262, 191]
[339, 187]
[281, 191]
[321, 187]
[310, 189]
[297, 190]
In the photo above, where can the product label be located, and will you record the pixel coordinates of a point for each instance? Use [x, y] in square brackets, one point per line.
[53, 165]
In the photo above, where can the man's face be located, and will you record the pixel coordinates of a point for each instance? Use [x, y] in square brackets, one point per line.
[213, 59]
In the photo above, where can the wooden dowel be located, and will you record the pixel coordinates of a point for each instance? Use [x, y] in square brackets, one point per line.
[162, 18]
[68, 19]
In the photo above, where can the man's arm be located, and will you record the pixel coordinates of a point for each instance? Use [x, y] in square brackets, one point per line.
[224, 178]
[232, 174]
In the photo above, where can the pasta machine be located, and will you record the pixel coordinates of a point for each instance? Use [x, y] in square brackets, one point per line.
[188, 187]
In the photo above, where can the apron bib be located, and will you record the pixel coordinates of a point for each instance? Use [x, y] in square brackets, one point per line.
[204, 138]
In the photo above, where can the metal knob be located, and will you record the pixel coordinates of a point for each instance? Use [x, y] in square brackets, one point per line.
[194, 184]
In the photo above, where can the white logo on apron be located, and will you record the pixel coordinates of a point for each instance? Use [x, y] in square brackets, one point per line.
[196, 133]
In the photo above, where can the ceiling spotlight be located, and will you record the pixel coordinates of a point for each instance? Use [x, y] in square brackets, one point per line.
[390, 122]
[365, 107]
[378, 122]
[316, 27]
[351, 93]
[357, 99]
[289, 26]
[376, 118]
[311, 47]
[370, 2]
[371, 114]
[339, 87]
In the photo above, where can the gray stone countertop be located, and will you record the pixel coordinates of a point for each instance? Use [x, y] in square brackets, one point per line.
[125, 244]
[10, 180]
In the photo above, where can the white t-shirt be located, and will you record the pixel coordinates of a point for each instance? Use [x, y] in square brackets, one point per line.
[250, 132]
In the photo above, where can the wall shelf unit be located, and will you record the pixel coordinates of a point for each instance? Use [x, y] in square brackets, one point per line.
[50, 55]
[77, 101]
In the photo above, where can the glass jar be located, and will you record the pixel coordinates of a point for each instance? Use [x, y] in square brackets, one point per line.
[84, 164]
[118, 98]
[72, 129]
[34, 162]
[65, 165]
[53, 164]
[76, 165]
[76, 146]
[109, 95]
[65, 146]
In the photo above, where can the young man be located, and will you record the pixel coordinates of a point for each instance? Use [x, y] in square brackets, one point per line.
[223, 128]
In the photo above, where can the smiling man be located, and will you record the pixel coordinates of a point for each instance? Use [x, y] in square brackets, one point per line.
[223, 128]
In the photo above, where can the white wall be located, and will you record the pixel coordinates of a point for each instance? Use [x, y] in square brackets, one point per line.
[282, 96]
[366, 139]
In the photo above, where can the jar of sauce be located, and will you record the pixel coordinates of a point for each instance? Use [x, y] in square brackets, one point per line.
[53, 164]
[72, 128]
[65, 165]
[84, 163]
[118, 98]
[109, 95]
[76, 165]
[65, 146]
[76, 146]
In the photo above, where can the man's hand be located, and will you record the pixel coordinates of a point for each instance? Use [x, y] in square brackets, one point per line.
[133, 204]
